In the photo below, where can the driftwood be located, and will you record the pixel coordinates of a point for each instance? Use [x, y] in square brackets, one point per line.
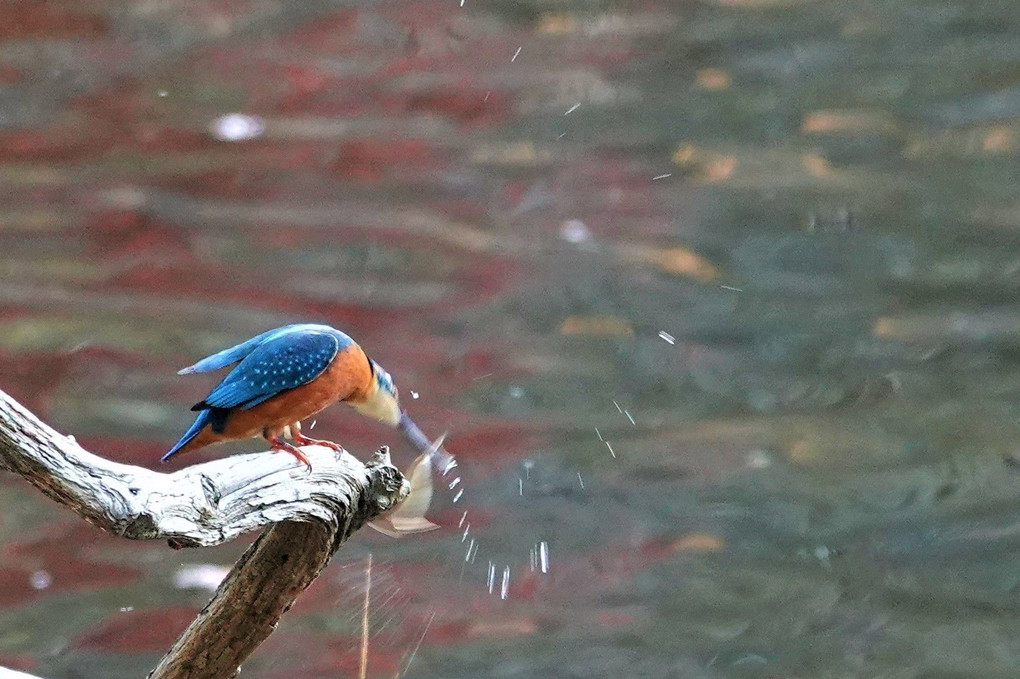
[308, 514]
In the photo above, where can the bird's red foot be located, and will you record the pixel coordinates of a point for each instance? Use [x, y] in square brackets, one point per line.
[305, 441]
[279, 444]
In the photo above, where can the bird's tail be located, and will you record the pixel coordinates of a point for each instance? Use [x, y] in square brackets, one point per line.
[204, 417]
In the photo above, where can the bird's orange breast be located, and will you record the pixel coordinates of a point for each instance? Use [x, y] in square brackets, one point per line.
[348, 376]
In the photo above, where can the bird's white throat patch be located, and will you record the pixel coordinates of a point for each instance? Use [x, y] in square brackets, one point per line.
[380, 406]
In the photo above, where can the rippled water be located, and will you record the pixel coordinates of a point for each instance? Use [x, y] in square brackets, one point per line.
[716, 299]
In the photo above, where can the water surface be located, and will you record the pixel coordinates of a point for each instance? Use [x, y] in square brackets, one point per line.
[716, 299]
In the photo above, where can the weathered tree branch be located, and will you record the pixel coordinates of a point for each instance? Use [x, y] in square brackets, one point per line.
[207, 504]
[260, 588]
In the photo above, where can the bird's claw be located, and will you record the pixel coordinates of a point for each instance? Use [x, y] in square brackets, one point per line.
[293, 450]
[305, 441]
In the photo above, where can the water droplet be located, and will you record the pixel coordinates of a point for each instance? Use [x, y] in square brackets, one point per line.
[575, 231]
[666, 336]
[200, 576]
[505, 587]
[40, 580]
[237, 127]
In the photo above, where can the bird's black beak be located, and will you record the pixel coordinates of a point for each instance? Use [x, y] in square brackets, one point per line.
[443, 460]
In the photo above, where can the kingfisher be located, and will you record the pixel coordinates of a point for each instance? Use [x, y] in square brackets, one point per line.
[286, 375]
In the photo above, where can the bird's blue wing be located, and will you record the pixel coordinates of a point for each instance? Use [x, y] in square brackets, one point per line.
[276, 365]
[234, 354]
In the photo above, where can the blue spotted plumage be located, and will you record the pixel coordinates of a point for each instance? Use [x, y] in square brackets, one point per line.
[222, 359]
[279, 363]
[268, 365]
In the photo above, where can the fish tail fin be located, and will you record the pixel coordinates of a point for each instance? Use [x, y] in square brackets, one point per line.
[409, 516]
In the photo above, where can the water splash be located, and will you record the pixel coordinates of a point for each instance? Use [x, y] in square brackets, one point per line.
[363, 665]
[420, 639]
[504, 589]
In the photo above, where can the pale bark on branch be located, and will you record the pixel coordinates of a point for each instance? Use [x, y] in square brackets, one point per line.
[309, 513]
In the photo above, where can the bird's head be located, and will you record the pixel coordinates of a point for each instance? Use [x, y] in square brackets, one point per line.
[380, 401]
